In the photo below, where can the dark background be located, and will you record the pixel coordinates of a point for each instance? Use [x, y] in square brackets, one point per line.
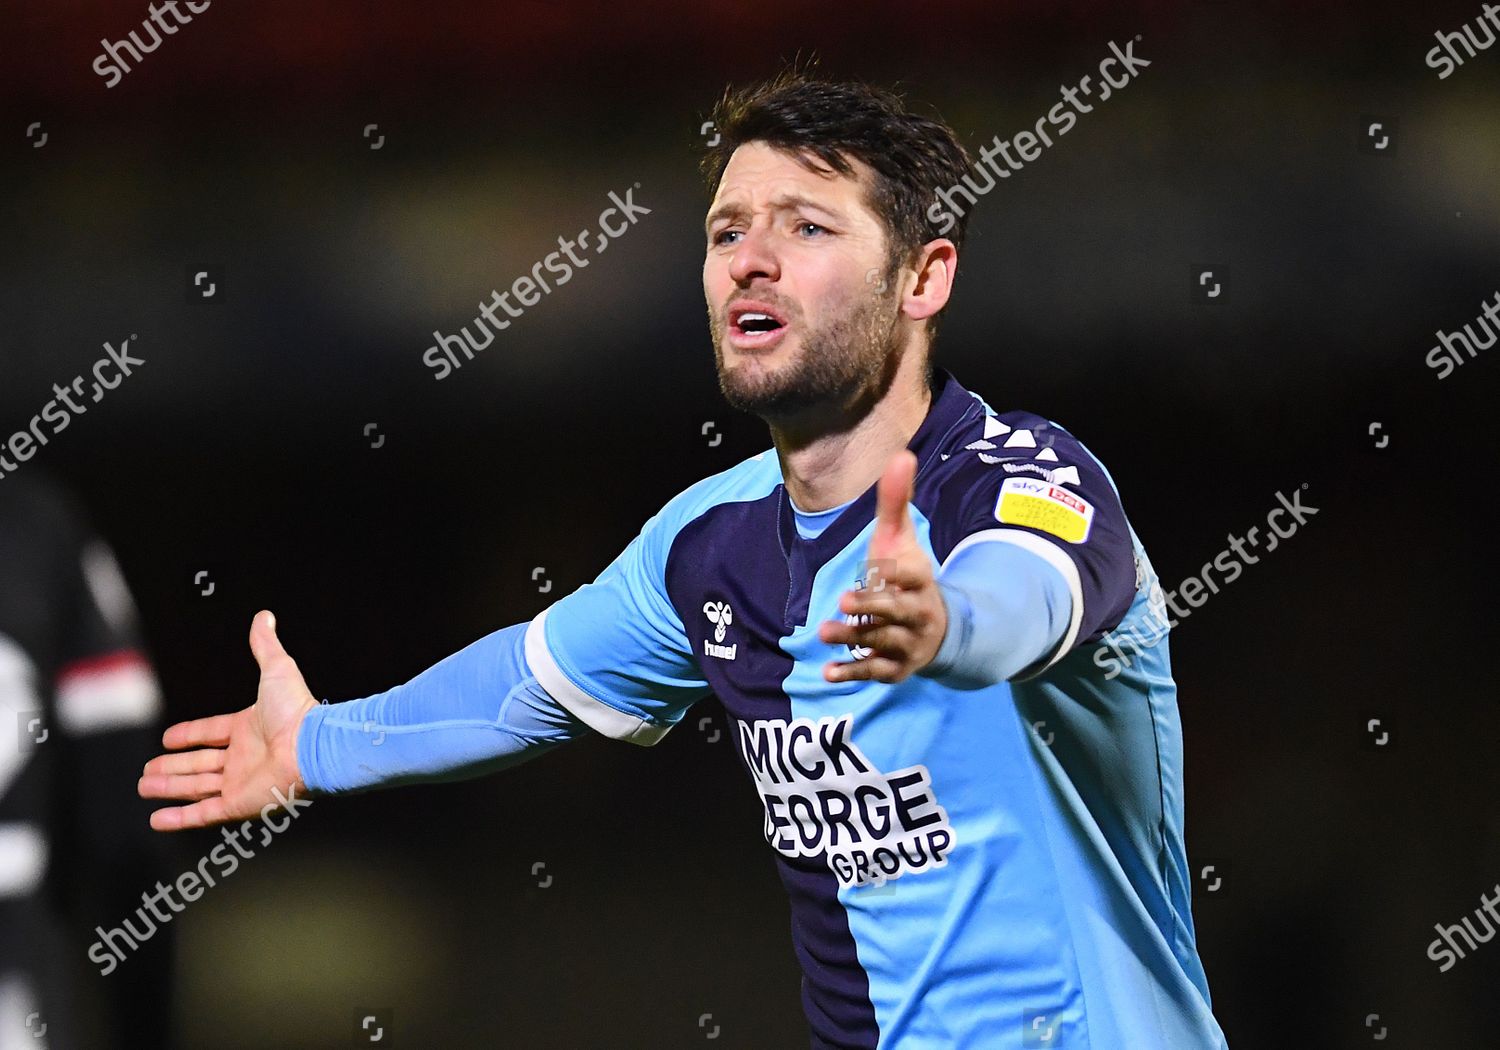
[239, 448]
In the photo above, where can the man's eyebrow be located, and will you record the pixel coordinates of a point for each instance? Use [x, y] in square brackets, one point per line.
[785, 202]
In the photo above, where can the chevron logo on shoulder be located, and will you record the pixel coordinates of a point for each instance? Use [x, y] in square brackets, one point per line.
[1012, 461]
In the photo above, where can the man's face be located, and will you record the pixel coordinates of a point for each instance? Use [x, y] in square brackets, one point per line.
[801, 307]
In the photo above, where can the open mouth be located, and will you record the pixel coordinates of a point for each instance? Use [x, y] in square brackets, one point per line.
[755, 324]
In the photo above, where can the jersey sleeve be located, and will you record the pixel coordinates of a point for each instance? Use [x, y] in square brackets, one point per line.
[1046, 493]
[614, 652]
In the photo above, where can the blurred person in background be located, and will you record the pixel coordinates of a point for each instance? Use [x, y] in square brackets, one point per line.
[80, 707]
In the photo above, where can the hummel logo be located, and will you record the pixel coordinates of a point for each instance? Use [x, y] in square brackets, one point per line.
[721, 616]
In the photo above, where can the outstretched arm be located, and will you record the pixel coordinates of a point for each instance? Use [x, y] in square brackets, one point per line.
[614, 655]
[476, 711]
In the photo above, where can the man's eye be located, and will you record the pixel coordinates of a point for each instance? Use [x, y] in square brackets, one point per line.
[811, 226]
[719, 237]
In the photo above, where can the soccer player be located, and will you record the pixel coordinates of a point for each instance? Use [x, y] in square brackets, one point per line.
[81, 711]
[978, 825]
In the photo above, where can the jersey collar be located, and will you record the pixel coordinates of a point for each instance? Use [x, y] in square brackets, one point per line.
[952, 407]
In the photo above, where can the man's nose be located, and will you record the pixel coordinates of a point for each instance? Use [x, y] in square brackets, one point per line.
[754, 257]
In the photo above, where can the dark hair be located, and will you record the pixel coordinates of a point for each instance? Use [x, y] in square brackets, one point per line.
[913, 157]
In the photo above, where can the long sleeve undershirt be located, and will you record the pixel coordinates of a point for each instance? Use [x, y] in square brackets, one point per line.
[1007, 610]
[475, 712]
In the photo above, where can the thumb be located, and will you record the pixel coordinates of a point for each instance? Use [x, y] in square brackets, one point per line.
[892, 494]
[264, 644]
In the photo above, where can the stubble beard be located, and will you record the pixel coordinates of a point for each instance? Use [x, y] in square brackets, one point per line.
[845, 361]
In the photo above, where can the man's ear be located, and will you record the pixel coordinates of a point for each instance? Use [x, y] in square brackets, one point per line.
[935, 267]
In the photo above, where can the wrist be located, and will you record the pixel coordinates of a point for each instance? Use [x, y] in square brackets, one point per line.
[957, 623]
[290, 764]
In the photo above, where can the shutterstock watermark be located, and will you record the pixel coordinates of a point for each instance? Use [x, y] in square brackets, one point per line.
[106, 951]
[1446, 943]
[1119, 648]
[444, 358]
[1444, 357]
[22, 445]
[112, 63]
[1029, 144]
[1446, 57]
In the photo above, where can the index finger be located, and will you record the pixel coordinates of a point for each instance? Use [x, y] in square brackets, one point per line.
[200, 732]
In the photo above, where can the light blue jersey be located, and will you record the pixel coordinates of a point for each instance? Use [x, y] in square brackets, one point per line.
[991, 867]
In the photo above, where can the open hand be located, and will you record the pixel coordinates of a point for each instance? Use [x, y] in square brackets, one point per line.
[241, 757]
